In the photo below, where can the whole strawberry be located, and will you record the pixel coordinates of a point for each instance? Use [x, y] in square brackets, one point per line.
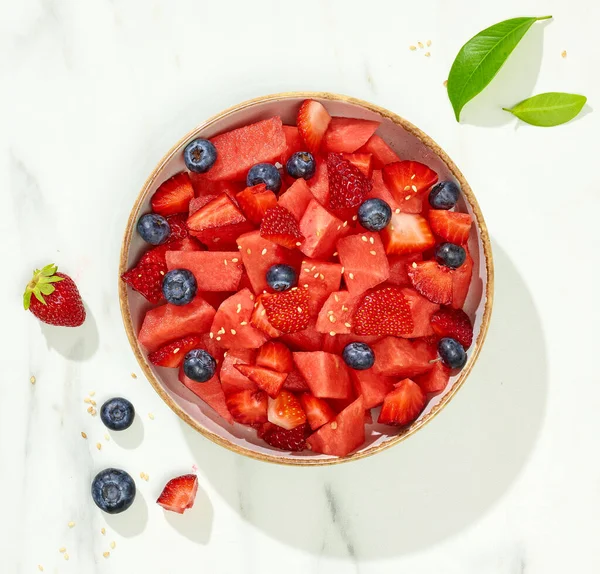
[54, 298]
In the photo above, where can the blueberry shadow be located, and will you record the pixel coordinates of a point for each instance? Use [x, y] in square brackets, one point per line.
[132, 437]
[195, 524]
[133, 521]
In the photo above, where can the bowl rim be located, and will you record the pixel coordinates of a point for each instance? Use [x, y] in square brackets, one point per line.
[489, 291]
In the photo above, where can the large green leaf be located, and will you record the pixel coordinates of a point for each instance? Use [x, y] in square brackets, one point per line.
[549, 109]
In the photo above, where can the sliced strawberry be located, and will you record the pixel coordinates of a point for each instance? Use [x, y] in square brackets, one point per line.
[382, 152]
[288, 312]
[453, 323]
[450, 225]
[312, 121]
[363, 161]
[280, 226]
[255, 201]
[248, 407]
[296, 383]
[318, 412]
[407, 233]
[172, 355]
[276, 356]
[383, 312]
[179, 493]
[173, 195]
[432, 280]
[146, 279]
[199, 202]
[408, 182]
[435, 380]
[178, 225]
[286, 411]
[260, 320]
[269, 381]
[403, 405]
[293, 440]
[348, 186]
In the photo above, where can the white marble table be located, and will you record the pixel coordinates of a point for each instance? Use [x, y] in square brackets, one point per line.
[504, 481]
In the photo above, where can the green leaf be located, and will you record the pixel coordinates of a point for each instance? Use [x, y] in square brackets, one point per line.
[53, 279]
[26, 300]
[49, 270]
[47, 289]
[481, 58]
[549, 109]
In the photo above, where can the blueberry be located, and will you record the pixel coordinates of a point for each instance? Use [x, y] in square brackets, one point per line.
[113, 490]
[301, 164]
[153, 228]
[200, 155]
[450, 255]
[452, 353]
[374, 214]
[444, 195]
[264, 173]
[117, 414]
[281, 277]
[358, 356]
[179, 286]
[199, 365]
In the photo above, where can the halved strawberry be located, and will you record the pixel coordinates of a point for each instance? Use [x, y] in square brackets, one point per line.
[384, 312]
[288, 312]
[312, 121]
[280, 226]
[363, 161]
[408, 182]
[261, 322]
[435, 380]
[199, 202]
[453, 323]
[172, 354]
[276, 356]
[450, 225]
[146, 279]
[248, 407]
[432, 280]
[293, 440]
[268, 380]
[318, 412]
[173, 195]
[348, 186]
[179, 493]
[255, 201]
[403, 405]
[407, 233]
[286, 411]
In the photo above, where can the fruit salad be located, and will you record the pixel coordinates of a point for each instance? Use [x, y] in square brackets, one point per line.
[306, 281]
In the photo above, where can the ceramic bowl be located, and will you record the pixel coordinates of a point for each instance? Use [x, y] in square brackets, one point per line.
[409, 143]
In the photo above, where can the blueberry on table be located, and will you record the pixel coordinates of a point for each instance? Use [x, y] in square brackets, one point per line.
[452, 353]
[113, 490]
[199, 365]
[200, 155]
[281, 277]
[117, 414]
[264, 173]
[179, 286]
[358, 356]
[444, 195]
[301, 165]
[374, 214]
[450, 255]
[153, 228]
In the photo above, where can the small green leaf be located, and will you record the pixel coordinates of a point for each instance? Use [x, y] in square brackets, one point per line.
[549, 109]
[481, 58]
[49, 270]
[47, 289]
[26, 300]
[53, 279]
[39, 297]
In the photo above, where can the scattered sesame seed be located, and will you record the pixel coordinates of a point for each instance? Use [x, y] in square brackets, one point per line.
[106, 437]
[351, 275]
[333, 425]
[412, 48]
[339, 227]
[392, 227]
[103, 531]
[397, 210]
[162, 272]
[332, 333]
[225, 353]
[342, 270]
[151, 416]
[221, 331]
[83, 435]
[364, 238]
[264, 251]
[65, 556]
[344, 308]
[318, 233]
[133, 376]
[240, 247]
[98, 445]
[315, 275]
[71, 524]
[263, 312]
[428, 43]
[344, 224]
[413, 176]
[90, 409]
[306, 285]
[414, 264]
[407, 188]
[40, 568]
[62, 549]
[92, 393]
[354, 217]
[296, 288]
[225, 261]
[106, 554]
[307, 269]
[218, 338]
[564, 54]
[243, 323]
[332, 318]
[141, 475]
[407, 197]
[427, 54]
[87, 400]
[113, 544]
[445, 83]
[32, 380]
[235, 260]
[420, 44]
[372, 252]
[249, 251]
[335, 253]
[347, 325]
[233, 332]
[372, 240]
[251, 297]
[238, 308]
[176, 350]
[321, 276]
[414, 188]
[93, 402]
[211, 334]
[335, 296]
[298, 243]
[330, 312]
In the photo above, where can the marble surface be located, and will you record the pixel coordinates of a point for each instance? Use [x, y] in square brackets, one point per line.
[505, 481]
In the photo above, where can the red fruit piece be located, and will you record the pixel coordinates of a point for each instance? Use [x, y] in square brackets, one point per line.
[453, 323]
[348, 134]
[276, 356]
[399, 268]
[296, 198]
[461, 281]
[269, 381]
[348, 186]
[308, 339]
[312, 121]
[280, 226]
[403, 405]
[213, 270]
[147, 280]
[434, 381]
[319, 183]
[288, 311]
[337, 313]
[232, 380]
[363, 161]
[321, 279]
[321, 230]
[326, 374]
[421, 310]
[255, 201]
[178, 225]
[293, 142]
[211, 392]
[172, 354]
[407, 233]
[295, 383]
[380, 190]
[260, 320]
[383, 312]
[248, 407]
[179, 493]
[409, 181]
[286, 411]
[432, 280]
[402, 358]
[372, 387]
[382, 152]
[204, 187]
[318, 412]
[173, 195]
[450, 225]
[293, 440]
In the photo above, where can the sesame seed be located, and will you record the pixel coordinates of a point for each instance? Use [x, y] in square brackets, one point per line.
[87, 400]
[264, 251]
[133, 376]
[344, 308]
[564, 54]
[342, 270]
[71, 524]
[335, 253]
[332, 333]
[345, 223]
[90, 409]
[83, 435]
[313, 267]
[98, 445]
[315, 275]
[397, 210]
[299, 309]
[414, 264]
[407, 197]
[306, 285]
[65, 556]
[332, 318]
[251, 297]
[372, 240]
[106, 437]
[249, 251]
[141, 475]
[392, 227]
[335, 296]
[240, 247]
[221, 331]
[354, 217]
[243, 323]
[62, 549]
[92, 393]
[330, 312]
[218, 339]
[235, 260]
[176, 350]
[93, 402]
[372, 252]
[211, 335]
[321, 276]
[162, 272]
[216, 239]
[238, 308]
[293, 288]
[113, 544]
[151, 416]
[364, 238]
[407, 188]
[413, 176]
[307, 269]
[427, 54]
[445, 83]
[233, 332]
[412, 48]
[106, 554]
[103, 531]
[333, 425]
[298, 243]
[351, 275]
[263, 312]
[32, 380]
[40, 568]
[338, 228]
[414, 188]
[318, 233]
[347, 325]
[428, 43]
[93, 412]
[420, 44]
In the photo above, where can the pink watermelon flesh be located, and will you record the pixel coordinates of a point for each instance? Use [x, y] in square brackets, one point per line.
[213, 271]
[326, 374]
[398, 268]
[293, 143]
[372, 387]
[321, 279]
[296, 383]
[461, 282]
[203, 186]
[319, 183]
[296, 198]
[347, 134]
[421, 310]
[336, 344]
[434, 381]
[402, 358]
[382, 152]
[308, 340]
[210, 392]
[240, 149]
[321, 230]
[341, 306]
[342, 435]
[232, 380]
[381, 191]
[169, 322]
[199, 202]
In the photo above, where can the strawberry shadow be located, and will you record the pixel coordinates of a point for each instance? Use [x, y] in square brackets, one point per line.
[196, 523]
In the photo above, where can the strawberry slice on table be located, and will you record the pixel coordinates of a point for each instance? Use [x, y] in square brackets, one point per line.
[280, 226]
[293, 440]
[453, 323]
[348, 186]
[248, 407]
[286, 411]
[276, 356]
[172, 354]
[407, 233]
[408, 182]
[312, 121]
[450, 225]
[383, 312]
[255, 201]
[432, 280]
[287, 312]
[318, 412]
[179, 493]
[174, 195]
[269, 381]
[403, 405]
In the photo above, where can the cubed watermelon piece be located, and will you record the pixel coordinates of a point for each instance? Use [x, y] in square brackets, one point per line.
[203, 186]
[293, 143]
[307, 340]
[209, 344]
[295, 382]
[319, 183]
[372, 387]
[398, 268]
[461, 281]
[169, 322]
[321, 230]
[231, 325]
[364, 260]
[381, 191]
[296, 198]
[435, 380]
[215, 298]
[363, 161]
[238, 150]
[214, 271]
[402, 358]
[337, 343]
[348, 134]
[232, 380]
[382, 152]
[421, 310]
[210, 392]
[326, 374]
[254, 202]
[342, 435]
[337, 313]
[321, 279]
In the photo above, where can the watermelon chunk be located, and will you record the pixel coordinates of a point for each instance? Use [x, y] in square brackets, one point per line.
[199, 202]
[342, 435]
[238, 150]
[321, 230]
[321, 279]
[293, 143]
[381, 191]
[210, 392]
[232, 380]
[382, 152]
[421, 310]
[434, 381]
[461, 281]
[319, 183]
[340, 306]
[348, 134]
[307, 340]
[364, 260]
[326, 374]
[169, 322]
[398, 268]
[295, 383]
[372, 387]
[203, 186]
[255, 201]
[402, 358]
[296, 198]
[214, 271]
